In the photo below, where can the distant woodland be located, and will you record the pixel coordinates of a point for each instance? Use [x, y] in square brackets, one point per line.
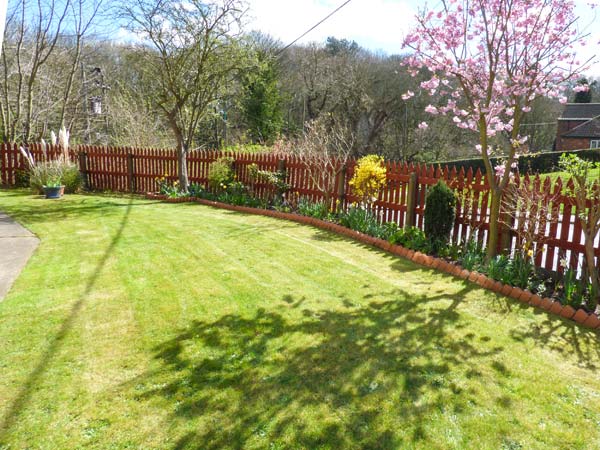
[191, 74]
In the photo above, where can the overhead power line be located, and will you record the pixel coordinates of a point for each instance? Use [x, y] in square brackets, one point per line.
[313, 27]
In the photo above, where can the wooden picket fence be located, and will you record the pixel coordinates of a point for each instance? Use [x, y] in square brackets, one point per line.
[126, 169]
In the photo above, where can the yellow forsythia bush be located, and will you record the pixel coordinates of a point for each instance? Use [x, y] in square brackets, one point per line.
[369, 177]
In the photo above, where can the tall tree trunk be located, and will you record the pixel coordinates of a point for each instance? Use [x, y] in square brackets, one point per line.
[70, 78]
[182, 152]
[591, 269]
[494, 229]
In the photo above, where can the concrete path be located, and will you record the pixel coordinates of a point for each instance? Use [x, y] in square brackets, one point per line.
[16, 246]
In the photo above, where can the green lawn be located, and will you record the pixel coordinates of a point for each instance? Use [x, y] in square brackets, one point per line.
[564, 176]
[145, 325]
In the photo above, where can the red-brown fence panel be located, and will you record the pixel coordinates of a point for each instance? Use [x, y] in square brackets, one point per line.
[127, 169]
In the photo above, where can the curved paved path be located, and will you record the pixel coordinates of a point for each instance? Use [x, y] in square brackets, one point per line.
[16, 246]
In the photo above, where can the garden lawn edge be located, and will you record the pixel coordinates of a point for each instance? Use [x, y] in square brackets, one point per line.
[548, 305]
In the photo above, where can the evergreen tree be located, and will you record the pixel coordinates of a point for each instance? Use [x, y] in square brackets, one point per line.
[261, 102]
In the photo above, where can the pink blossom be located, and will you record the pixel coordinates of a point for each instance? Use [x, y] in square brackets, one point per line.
[407, 95]
[430, 109]
[457, 44]
[423, 126]
[500, 170]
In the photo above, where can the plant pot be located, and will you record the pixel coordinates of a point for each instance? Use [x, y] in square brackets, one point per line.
[54, 192]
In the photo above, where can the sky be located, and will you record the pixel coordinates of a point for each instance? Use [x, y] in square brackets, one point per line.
[378, 25]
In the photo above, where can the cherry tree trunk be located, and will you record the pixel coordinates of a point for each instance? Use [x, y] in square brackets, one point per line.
[494, 230]
[182, 152]
[591, 269]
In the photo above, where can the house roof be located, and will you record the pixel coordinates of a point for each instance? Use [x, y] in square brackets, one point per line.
[589, 129]
[580, 111]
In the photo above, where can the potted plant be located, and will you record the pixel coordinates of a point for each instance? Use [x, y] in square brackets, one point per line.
[54, 188]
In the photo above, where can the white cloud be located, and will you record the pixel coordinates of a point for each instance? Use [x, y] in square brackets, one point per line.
[374, 24]
[589, 17]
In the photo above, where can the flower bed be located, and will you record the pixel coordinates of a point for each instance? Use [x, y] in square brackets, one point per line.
[581, 316]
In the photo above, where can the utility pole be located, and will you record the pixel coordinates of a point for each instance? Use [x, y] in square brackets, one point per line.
[94, 94]
[85, 106]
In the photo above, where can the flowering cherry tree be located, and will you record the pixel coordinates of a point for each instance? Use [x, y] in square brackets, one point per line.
[489, 60]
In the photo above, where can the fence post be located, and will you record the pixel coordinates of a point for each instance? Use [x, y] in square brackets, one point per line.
[282, 176]
[504, 231]
[130, 175]
[411, 201]
[341, 188]
[84, 171]
[3, 153]
[281, 166]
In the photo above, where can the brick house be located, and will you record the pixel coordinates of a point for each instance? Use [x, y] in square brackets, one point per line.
[578, 127]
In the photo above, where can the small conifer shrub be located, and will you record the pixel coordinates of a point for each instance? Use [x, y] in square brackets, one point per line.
[440, 213]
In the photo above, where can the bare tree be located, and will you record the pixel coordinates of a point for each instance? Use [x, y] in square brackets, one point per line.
[529, 209]
[3, 9]
[586, 190]
[82, 14]
[192, 52]
[324, 149]
[35, 27]
[131, 120]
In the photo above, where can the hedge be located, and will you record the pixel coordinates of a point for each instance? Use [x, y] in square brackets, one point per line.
[533, 163]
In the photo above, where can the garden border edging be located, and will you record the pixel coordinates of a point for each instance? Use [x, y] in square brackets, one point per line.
[580, 316]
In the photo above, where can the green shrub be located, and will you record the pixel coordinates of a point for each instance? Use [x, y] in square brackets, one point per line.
[169, 188]
[22, 178]
[473, 256]
[361, 220]
[71, 178]
[248, 148]
[573, 290]
[497, 267]
[237, 193]
[42, 173]
[275, 179]
[234, 193]
[519, 271]
[440, 212]
[318, 210]
[196, 190]
[370, 176]
[220, 173]
[412, 238]
[388, 229]
[55, 171]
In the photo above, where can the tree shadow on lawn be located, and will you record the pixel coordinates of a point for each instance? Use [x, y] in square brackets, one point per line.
[29, 386]
[330, 236]
[563, 336]
[355, 377]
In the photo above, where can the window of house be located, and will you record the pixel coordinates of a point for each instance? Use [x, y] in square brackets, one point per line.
[595, 143]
